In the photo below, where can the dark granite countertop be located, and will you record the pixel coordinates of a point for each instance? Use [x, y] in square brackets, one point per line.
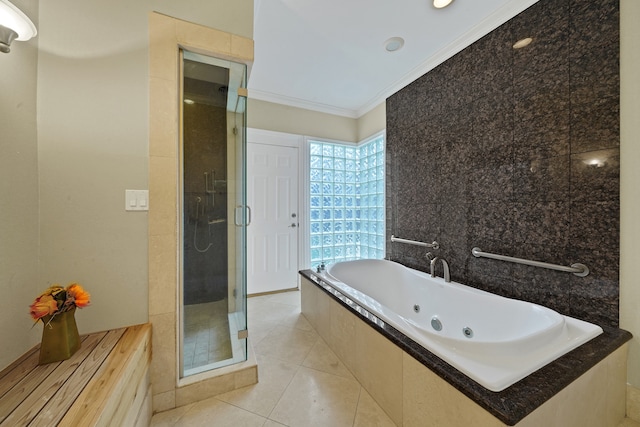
[519, 400]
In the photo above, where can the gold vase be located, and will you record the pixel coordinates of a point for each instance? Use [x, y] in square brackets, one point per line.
[60, 338]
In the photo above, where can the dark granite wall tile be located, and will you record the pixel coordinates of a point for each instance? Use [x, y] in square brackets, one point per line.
[459, 86]
[543, 136]
[492, 62]
[542, 94]
[593, 25]
[492, 224]
[589, 80]
[517, 152]
[493, 128]
[542, 179]
[490, 182]
[595, 125]
[428, 96]
[543, 223]
[595, 225]
[549, 30]
[595, 175]
[205, 148]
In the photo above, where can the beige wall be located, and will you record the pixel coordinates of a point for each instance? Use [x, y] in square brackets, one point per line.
[93, 131]
[630, 181]
[18, 193]
[235, 17]
[282, 118]
[372, 122]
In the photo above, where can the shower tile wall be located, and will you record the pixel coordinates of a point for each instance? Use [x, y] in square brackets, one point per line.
[205, 273]
[517, 152]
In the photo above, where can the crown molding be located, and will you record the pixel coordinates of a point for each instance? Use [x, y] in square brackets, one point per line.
[493, 21]
[301, 103]
[484, 27]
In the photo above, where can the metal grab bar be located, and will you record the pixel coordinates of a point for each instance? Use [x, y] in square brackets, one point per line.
[577, 269]
[434, 245]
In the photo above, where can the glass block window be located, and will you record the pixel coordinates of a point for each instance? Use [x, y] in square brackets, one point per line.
[346, 201]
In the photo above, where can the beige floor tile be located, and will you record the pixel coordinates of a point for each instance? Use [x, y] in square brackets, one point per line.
[322, 358]
[274, 377]
[297, 321]
[633, 402]
[169, 418]
[289, 298]
[370, 414]
[628, 422]
[254, 302]
[267, 311]
[282, 308]
[214, 412]
[288, 344]
[321, 393]
[316, 398]
[259, 330]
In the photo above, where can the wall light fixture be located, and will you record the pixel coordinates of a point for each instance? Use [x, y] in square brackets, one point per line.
[14, 25]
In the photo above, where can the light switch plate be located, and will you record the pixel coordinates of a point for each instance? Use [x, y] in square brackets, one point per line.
[136, 200]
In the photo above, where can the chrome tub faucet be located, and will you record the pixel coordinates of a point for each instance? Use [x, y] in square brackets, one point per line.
[445, 266]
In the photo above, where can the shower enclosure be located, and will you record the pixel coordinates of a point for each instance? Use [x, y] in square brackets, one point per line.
[213, 214]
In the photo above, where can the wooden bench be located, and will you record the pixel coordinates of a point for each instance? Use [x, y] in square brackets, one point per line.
[105, 383]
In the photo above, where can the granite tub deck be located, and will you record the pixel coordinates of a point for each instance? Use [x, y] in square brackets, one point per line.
[509, 406]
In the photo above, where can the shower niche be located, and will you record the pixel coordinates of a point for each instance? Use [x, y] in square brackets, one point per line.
[213, 214]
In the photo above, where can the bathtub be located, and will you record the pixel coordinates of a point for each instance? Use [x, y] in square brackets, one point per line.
[495, 341]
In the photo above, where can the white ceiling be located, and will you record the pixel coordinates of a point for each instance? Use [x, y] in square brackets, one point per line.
[329, 55]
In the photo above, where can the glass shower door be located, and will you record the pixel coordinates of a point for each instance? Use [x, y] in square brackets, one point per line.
[213, 214]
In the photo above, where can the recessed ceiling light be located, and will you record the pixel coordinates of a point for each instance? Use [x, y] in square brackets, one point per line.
[522, 43]
[394, 44]
[439, 4]
[189, 101]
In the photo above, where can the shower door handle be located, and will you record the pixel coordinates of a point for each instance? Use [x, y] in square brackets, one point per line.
[235, 216]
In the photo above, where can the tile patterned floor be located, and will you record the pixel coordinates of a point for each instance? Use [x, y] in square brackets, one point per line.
[302, 382]
[207, 337]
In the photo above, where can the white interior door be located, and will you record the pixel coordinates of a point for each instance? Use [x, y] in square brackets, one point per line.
[272, 194]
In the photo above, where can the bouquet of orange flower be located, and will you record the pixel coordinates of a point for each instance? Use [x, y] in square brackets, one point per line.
[57, 300]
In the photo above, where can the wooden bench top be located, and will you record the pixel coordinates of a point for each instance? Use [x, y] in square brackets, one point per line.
[77, 391]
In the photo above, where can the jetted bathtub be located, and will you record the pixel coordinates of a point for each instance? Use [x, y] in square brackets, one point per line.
[496, 341]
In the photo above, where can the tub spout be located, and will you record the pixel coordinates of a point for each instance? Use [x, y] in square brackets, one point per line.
[445, 266]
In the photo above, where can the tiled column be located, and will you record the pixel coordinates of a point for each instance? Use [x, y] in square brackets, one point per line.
[166, 36]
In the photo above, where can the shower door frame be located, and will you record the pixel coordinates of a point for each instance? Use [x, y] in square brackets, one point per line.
[236, 210]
